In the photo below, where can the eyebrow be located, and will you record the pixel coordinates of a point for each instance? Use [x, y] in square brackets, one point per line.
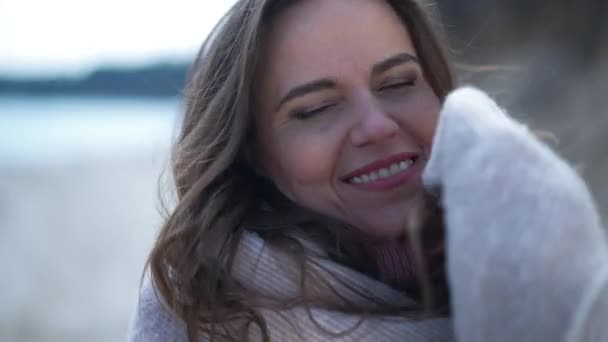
[392, 62]
[306, 88]
[327, 83]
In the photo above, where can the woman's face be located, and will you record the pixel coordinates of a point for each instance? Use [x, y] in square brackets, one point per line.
[345, 117]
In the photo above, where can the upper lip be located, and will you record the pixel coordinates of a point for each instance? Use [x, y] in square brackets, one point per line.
[379, 164]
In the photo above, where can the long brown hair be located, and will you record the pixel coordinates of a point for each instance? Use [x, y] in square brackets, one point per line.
[218, 195]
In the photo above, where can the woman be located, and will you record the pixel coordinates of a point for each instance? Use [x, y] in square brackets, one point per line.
[317, 150]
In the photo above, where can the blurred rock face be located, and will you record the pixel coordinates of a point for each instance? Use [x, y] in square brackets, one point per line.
[547, 63]
[568, 25]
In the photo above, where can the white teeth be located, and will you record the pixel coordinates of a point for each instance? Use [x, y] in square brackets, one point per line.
[394, 169]
[405, 164]
[373, 176]
[384, 172]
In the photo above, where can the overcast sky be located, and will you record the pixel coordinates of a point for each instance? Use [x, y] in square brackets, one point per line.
[74, 36]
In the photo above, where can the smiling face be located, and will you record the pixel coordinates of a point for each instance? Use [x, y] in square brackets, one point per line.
[345, 115]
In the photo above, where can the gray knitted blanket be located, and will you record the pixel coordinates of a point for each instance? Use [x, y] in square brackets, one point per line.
[527, 258]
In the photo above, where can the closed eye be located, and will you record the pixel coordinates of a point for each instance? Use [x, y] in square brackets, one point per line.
[398, 84]
[307, 114]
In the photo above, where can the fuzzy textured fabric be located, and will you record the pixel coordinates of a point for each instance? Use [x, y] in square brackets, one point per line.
[527, 258]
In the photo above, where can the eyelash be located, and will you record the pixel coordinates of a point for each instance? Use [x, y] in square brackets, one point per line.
[401, 84]
[307, 114]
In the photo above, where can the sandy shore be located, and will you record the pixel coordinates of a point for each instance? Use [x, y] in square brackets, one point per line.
[73, 241]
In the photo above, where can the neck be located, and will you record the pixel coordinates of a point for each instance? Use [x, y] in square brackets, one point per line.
[399, 266]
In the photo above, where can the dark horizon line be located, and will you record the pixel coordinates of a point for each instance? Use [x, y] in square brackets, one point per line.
[163, 79]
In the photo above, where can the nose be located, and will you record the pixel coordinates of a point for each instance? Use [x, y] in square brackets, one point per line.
[373, 125]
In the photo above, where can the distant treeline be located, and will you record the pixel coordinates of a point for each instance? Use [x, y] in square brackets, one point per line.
[162, 80]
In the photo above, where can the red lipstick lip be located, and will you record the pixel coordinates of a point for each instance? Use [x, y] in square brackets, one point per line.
[377, 165]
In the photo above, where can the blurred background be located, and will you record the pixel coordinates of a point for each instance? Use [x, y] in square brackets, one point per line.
[89, 99]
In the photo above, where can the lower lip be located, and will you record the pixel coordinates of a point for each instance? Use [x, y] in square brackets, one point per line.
[391, 181]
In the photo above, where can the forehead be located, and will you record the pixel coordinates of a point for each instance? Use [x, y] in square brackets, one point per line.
[332, 38]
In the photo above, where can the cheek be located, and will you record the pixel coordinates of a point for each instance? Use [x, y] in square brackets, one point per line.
[305, 162]
[421, 115]
[429, 116]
